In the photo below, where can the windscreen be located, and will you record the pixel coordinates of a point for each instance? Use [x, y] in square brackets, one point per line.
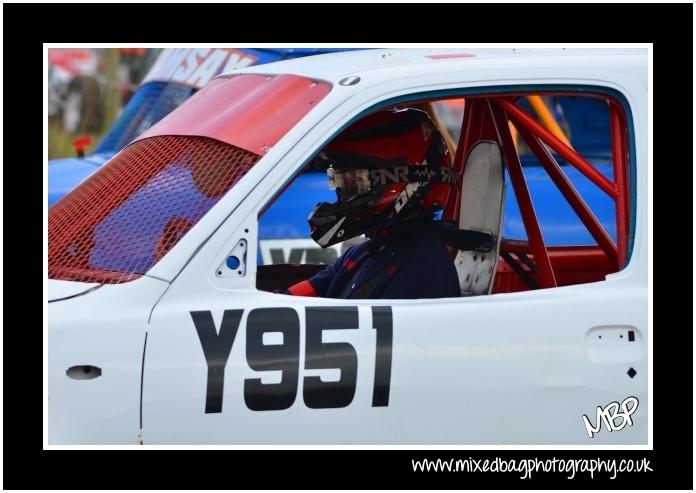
[118, 223]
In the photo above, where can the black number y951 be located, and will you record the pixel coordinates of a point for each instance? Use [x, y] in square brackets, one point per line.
[284, 357]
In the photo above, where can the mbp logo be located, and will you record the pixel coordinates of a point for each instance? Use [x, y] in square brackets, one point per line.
[610, 414]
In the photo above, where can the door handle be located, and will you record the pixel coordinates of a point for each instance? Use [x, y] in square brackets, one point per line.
[614, 344]
[83, 372]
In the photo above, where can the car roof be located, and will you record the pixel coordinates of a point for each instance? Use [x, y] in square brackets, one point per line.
[381, 63]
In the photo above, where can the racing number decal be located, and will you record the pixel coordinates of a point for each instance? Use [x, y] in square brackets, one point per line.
[382, 322]
[284, 357]
[216, 348]
[319, 356]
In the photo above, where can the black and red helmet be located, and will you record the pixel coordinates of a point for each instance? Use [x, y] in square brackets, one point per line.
[390, 167]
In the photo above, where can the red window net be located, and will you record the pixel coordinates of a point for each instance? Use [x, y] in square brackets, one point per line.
[120, 221]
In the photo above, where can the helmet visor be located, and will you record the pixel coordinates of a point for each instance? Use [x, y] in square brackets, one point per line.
[349, 183]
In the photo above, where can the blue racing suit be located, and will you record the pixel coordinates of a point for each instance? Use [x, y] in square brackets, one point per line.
[389, 268]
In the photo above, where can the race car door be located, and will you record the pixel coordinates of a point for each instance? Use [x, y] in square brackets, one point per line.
[248, 367]
[228, 362]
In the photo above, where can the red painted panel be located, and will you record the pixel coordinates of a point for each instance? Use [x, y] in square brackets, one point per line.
[252, 112]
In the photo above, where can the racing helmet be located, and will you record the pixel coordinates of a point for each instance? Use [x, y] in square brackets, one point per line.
[389, 168]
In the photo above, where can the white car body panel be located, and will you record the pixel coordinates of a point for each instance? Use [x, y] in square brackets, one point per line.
[60, 290]
[516, 368]
[107, 331]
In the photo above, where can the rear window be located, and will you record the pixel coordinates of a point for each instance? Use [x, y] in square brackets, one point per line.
[119, 222]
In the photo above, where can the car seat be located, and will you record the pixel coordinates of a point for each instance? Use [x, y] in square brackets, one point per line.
[481, 209]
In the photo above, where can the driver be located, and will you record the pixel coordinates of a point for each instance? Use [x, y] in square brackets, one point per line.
[391, 172]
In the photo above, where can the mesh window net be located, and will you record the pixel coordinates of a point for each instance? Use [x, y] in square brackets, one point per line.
[120, 221]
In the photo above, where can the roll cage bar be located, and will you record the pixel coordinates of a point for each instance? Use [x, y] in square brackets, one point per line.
[498, 118]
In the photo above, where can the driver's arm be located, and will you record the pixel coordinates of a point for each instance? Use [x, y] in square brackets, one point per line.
[320, 283]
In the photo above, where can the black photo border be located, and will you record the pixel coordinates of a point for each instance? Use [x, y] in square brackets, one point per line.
[28, 26]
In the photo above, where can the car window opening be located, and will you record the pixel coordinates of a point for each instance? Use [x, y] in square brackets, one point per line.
[521, 196]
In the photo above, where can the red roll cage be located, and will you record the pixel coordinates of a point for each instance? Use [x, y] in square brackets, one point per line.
[489, 118]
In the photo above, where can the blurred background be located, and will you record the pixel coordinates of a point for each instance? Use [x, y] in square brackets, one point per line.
[87, 90]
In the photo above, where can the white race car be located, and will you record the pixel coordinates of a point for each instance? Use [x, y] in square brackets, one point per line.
[165, 327]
